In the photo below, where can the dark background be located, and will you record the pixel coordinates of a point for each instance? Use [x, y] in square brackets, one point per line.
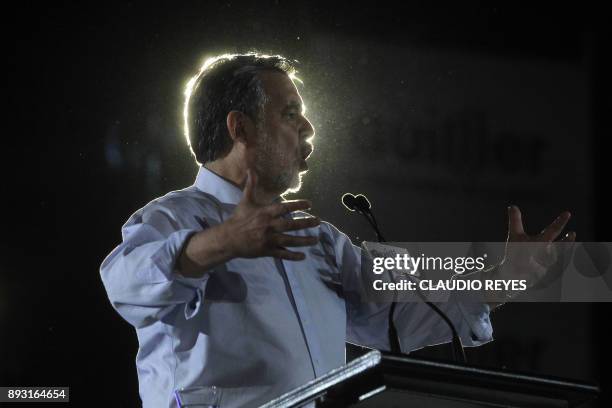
[93, 132]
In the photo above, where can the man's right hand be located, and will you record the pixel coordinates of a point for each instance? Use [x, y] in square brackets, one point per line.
[253, 230]
[256, 230]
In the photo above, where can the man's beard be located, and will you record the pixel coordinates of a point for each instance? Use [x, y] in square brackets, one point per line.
[274, 176]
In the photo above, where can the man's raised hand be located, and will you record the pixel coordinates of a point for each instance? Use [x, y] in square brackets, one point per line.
[531, 256]
[256, 230]
[516, 231]
[253, 230]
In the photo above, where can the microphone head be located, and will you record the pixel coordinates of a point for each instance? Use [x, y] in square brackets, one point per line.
[363, 202]
[349, 201]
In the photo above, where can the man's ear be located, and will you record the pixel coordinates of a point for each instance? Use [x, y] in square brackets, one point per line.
[240, 127]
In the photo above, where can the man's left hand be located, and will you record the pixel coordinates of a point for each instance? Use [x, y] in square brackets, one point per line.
[529, 257]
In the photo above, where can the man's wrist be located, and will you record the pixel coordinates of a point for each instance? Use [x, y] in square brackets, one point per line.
[205, 250]
[225, 240]
[495, 299]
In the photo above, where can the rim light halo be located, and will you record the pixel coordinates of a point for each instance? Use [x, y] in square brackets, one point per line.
[208, 63]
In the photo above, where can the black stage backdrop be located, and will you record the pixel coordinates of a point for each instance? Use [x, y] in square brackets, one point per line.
[442, 114]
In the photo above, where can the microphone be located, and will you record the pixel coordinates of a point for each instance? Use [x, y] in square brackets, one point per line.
[357, 202]
[361, 204]
[348, 200]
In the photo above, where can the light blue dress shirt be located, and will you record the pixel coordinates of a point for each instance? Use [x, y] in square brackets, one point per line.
[251, 329]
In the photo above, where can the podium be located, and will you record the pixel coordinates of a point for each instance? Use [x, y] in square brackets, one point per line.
[385, 380]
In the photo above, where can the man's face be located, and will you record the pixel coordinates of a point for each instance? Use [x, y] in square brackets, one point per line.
[281, 146]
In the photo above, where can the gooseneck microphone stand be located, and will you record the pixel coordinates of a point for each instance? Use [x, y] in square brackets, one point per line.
[362, 205]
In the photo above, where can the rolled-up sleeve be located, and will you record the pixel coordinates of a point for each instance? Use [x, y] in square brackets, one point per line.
[418, 325]
[139, 275]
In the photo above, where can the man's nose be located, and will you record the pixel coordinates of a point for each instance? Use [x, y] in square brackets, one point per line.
[307, 131]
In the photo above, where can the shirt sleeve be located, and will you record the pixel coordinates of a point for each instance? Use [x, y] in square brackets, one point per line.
[139, 275]
[367, 322]
[417, 324]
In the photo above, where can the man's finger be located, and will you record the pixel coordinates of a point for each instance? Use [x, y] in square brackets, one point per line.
[278, 209]
[515, 221]
[283, 225]
[288, 255]
[551, 232]
[286, 240]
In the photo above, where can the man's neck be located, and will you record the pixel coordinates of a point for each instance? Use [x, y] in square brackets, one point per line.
[236, 175]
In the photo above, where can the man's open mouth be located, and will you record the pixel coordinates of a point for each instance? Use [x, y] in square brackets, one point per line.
[303, 164]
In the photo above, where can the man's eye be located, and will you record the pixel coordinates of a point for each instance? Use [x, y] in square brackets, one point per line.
[291, 115]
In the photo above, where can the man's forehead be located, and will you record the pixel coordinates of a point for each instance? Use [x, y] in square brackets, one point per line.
[279, 88]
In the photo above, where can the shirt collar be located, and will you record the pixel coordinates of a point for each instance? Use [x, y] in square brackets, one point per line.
[215, 185]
